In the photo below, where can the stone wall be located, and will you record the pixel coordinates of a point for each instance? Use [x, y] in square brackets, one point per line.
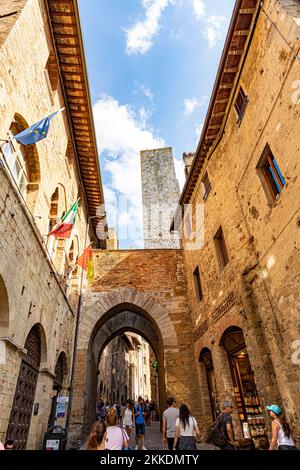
[258, 290]
[35, 293]
[160, 191]
[35, 296]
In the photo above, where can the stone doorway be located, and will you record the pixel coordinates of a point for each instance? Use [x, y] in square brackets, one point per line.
[21, 412]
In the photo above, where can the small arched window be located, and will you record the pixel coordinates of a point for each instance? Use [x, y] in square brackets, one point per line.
[23, 162]
[56, 248]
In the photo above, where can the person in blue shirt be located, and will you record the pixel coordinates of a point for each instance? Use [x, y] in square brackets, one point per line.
[139, 414]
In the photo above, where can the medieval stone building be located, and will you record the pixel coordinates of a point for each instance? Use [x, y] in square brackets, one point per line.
[243, 281]
[42, 71]
[160, 194]
[124, 369]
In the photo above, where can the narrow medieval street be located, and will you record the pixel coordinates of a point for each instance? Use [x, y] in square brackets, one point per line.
[149, 225]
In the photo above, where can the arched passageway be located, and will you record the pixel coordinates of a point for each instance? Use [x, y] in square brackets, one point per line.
[109, 327]
[162, 321]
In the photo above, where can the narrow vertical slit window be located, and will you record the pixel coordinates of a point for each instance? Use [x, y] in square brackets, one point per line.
[241, 104]
[198, 285]
[206, 186]
[221, 249]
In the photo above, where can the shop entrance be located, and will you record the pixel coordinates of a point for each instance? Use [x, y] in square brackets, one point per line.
[248, 403]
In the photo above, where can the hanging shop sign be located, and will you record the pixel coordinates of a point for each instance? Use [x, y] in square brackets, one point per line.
[61, 407]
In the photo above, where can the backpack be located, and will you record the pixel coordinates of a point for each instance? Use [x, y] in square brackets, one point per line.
[217, 433]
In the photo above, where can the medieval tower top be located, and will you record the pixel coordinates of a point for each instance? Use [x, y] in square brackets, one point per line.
[160, 192]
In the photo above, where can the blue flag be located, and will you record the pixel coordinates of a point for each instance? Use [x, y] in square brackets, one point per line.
[36, 132]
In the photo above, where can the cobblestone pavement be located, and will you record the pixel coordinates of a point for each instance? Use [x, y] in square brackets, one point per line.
[153, 439]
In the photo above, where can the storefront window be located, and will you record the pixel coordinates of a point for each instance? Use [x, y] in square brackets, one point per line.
[248, 403]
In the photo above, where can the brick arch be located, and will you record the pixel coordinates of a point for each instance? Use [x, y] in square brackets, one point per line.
[34, 171]
[119, 319]
[227, 322]
[163, 322]
[32, 161]
[61, 369]
[120, 298]
[43, 339]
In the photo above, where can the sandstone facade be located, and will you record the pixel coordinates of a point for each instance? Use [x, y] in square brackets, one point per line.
[38, 278]
[258, 289]
[240, 288]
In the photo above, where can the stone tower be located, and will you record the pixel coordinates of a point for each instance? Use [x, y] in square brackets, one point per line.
[160, 191]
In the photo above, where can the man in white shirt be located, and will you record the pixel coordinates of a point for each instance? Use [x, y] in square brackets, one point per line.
[169, 423]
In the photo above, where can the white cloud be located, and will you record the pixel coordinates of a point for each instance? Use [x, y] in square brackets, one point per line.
[140, 36]
[215, 30]
[190, 105]
[146, 92]
[214, 26]
[199, 9]
[121, 135]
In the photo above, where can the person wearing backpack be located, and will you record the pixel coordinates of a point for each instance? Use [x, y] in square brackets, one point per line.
[226, 427]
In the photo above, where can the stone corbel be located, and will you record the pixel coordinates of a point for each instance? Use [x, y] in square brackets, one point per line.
[47, 371]
[21, 350]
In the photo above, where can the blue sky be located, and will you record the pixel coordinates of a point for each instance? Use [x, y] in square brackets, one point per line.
[152, 66]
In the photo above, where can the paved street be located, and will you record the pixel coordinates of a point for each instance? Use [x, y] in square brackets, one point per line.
[153, 439]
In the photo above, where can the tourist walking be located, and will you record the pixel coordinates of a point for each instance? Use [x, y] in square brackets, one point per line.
[281, 431]
[226, 424]
[152, 410]
[128, 419]
[147, 413]
[170, 417]
[115, 437]
[222, 431]
[186, 428]
[123, 408]
[118, 408]
[101, 411]
[95, 439]
[139, 414]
